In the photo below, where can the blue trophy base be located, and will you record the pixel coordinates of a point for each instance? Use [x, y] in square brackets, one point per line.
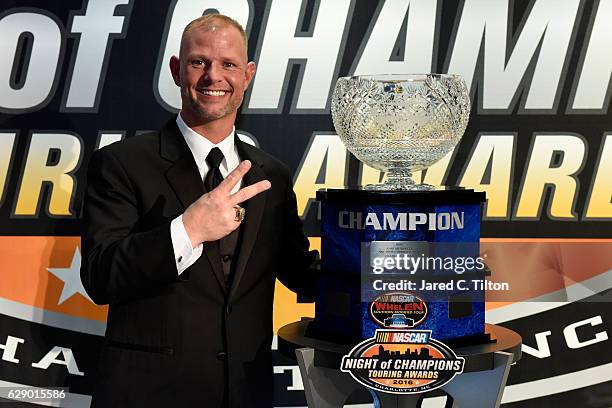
[363, 232]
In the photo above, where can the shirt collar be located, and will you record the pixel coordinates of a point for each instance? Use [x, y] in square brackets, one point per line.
[201, 146]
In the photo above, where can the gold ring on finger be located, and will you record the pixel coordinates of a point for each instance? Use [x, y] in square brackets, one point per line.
[240, 212]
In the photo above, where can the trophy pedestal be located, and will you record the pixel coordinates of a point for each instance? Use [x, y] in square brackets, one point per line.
[480, 385]
[358, 226]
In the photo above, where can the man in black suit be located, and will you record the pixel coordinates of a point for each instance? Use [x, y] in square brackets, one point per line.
[189, 274]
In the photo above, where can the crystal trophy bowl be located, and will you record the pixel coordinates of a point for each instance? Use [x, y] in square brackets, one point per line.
[400, 123]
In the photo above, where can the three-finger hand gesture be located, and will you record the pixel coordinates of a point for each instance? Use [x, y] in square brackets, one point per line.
[213, 215]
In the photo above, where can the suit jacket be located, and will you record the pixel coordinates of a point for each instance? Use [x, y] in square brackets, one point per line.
[184, 340]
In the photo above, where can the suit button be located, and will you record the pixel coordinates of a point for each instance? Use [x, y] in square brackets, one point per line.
[226, 258]
[222, 355]
[228, 309]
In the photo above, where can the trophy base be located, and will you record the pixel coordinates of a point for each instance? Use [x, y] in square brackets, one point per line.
[399, 179]
[400, 187]
[354, 230]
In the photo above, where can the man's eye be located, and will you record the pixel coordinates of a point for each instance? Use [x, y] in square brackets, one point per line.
[229, 65]
[197, 63]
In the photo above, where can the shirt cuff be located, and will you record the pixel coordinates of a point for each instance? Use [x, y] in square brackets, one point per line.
[184, 254]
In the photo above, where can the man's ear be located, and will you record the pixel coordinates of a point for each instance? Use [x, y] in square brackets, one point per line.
[175, 69]
[250, 72]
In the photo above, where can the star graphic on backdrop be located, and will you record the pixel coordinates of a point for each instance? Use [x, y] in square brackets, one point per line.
[71, 278]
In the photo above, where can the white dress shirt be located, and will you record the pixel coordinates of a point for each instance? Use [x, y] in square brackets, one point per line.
[184, 254]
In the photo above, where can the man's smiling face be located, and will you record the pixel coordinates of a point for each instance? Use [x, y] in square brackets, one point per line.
[213, 74]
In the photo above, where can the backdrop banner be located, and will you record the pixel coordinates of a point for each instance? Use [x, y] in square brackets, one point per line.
[76, 75]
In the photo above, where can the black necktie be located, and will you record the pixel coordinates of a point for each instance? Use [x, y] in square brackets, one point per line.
[226, 245]
[213, 177]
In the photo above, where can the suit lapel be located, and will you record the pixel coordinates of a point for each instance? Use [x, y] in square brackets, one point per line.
[254, 210]
[184, 178]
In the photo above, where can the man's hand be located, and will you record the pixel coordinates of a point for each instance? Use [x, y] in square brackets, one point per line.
[212, 216]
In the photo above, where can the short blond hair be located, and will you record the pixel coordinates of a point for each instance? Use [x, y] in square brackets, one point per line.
[210, 22]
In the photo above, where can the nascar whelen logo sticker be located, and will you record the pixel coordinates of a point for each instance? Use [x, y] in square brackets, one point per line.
[398, 310]
[402, 362]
